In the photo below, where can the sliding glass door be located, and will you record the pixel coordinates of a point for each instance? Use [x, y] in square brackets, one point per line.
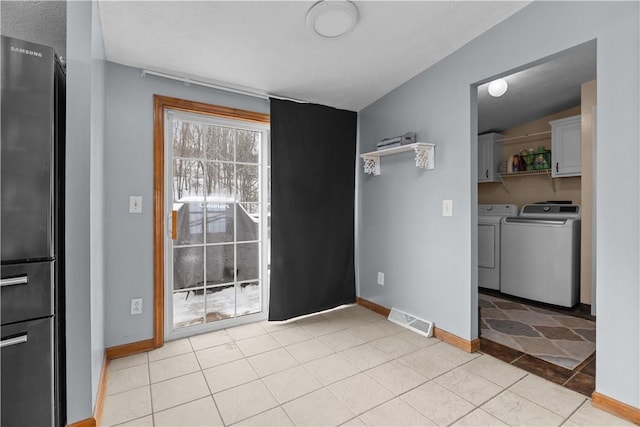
[216, 246]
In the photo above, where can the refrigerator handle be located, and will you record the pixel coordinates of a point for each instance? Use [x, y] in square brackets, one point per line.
[21, 280]
[13, 341]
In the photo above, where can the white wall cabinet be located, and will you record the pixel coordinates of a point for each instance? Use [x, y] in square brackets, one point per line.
[566, 147]
[489, 157]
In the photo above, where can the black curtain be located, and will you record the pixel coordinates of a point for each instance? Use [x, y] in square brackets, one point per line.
[312, 208]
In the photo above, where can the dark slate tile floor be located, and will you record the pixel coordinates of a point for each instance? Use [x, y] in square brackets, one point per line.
[581, 379]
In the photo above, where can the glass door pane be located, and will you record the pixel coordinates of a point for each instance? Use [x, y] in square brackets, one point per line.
[216, 199]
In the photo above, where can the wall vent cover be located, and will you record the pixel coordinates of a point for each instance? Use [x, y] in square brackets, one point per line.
[409, 321]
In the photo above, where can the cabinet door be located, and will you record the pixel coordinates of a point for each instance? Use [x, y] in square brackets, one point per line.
[489, 156]
[566, 147]
[484, 158]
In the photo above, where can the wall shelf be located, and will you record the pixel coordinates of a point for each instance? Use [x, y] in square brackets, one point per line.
[525, 173]
[425, 156]
[546, 172]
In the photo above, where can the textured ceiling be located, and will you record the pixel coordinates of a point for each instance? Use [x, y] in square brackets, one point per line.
[539, 90]
[42, 22]
[266, 46]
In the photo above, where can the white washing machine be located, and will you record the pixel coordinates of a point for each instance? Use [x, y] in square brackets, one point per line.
[489, 224]
[541, 254]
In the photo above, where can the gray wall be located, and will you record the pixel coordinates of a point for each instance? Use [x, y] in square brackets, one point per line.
[84, 219]
[128, 159]
[96, 201]
[402, 232]
[430, 261]
[47, 22]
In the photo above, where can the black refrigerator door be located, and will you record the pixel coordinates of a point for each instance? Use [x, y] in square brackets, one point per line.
[26, 291]
[27, 374]
[27, 158]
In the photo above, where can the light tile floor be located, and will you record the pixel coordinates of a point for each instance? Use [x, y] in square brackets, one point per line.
[347, 367]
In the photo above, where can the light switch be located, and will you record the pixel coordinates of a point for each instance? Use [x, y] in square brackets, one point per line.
[135, 204]
[447, 208]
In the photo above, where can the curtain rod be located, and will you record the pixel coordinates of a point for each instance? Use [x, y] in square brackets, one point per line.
[188, 81]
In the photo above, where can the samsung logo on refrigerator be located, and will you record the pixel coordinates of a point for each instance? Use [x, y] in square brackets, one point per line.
[26, 51]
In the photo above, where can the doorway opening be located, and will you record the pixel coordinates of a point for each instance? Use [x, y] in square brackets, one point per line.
[211, 223]
[519, 148]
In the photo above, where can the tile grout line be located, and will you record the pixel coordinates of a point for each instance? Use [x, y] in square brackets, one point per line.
[153, 413]
[215, 404]
[496, 416]
[351, 376]
[261, 378]
[281, 405]
[539, 405]
[419, 385]
[564, 384]
[360, 370]
[516, 359]
[508, 388]
[192, 351]
[207, 383]
[574, 372]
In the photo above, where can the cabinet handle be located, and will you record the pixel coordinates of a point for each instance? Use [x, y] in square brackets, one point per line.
[486, 173]
[557, 167]
[21, 280]
[13, 341]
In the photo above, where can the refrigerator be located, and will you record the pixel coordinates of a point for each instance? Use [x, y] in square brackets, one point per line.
[32, 119]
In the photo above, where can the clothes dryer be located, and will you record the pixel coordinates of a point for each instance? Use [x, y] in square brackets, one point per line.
[489, 225]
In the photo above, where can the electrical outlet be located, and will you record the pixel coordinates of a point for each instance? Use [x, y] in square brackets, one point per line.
[136, 305]
[380, 278]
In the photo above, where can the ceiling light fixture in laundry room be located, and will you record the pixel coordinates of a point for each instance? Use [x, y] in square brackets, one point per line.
[332, 19]
[498, 87]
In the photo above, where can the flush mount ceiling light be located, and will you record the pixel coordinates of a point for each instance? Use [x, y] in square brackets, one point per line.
[498, 88]
[332, 19]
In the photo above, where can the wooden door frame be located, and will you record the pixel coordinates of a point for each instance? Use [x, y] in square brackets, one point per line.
[160, 104]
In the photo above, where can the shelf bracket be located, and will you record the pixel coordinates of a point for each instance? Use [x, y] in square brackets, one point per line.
[424, 157]
[504, 184]
[553, 182]
[371, 165]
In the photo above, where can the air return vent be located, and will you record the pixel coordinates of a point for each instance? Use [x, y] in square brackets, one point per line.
[423, 327]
